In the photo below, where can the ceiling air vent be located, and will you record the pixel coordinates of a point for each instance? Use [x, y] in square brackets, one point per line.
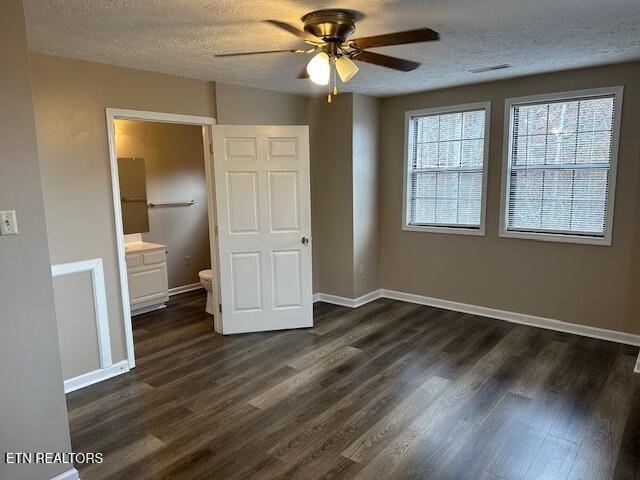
[491, 68]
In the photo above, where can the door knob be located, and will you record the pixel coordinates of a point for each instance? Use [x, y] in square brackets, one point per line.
[305, 240]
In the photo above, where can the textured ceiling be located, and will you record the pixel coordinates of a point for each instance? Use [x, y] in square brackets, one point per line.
[181, 36]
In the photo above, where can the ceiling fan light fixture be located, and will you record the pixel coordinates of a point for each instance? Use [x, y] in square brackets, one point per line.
[319, 69]
[328, 31]
[346, 68]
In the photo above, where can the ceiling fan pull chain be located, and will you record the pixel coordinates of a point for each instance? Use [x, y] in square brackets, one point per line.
[331, 78]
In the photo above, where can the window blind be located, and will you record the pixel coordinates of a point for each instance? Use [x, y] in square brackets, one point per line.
[559, 166]
[446, 163]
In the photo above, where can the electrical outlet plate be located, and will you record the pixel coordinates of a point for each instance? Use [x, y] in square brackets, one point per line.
[8, 223]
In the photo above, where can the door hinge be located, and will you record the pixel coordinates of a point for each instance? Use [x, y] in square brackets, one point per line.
[216, 229]
[220, 307]
[211, 147]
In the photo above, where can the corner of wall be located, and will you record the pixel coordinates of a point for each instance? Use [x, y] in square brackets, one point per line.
[33, 414]
[214, 103]
[365, 170]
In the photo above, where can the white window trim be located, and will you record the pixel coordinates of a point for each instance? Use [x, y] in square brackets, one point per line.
[485, 167]
[613, 166]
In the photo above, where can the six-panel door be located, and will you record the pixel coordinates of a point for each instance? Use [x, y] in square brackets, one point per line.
[264, 211]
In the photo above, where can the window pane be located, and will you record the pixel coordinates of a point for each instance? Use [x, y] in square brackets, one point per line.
[424, 210]
[561, 149]
[450, 127]
[591, 184]
[447, 161]
[469, 212]
[473, 125]
[537, 119]
[472, 153]
[563, 117]
[557, 184]
[470, 186]
[526, 184]
[428, 129]
[560, 155]
[424, 184]
[447, 185]
[588, 216]
[449, 154]
[556, 214]
[593, 147]
[427, 155]
[525, 214]
[446, 211]
[536, 150]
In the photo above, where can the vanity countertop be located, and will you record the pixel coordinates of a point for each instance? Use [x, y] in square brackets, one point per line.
[131, 247]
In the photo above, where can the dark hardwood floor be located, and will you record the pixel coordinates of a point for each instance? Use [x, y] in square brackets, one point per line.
[386, 391]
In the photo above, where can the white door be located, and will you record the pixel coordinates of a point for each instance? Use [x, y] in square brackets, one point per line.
[264, 227]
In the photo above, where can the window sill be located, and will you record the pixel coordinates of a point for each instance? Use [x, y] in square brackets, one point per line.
[558, 238]
[448, 230]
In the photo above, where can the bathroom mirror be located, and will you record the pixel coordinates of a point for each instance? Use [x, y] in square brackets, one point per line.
[133, 195]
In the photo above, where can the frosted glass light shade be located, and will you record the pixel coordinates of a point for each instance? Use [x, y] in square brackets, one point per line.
[319, 69]
[346, 68]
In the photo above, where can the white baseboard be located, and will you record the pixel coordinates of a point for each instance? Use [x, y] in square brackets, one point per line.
[71, 474]
[346, 302]
[185, 288]
[637, 369]
[150, 308]
[514, 317]
[95, 376]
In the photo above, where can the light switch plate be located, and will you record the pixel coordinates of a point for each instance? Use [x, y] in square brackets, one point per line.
[8, 223]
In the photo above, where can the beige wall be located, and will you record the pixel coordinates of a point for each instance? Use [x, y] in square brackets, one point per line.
[366, 248]
[174, 164]
[332, 194]
[591, 285]
[33, 416]
[70, 98]
[238, 105]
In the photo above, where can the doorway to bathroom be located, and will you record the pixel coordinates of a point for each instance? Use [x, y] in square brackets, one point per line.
[164, 214]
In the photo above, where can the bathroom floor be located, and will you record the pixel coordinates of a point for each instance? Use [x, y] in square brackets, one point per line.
[184, 319]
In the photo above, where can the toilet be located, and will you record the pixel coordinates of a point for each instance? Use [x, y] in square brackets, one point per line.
[206, 279]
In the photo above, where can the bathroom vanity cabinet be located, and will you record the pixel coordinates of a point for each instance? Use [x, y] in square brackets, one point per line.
[147, 276]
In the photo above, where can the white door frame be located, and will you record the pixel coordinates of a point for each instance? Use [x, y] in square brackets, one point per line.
[206, 123]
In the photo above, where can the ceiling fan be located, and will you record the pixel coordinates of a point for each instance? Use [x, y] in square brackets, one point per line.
[327, 33]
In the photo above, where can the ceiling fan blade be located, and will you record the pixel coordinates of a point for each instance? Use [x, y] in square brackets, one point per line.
[303, 74]
[397, 38]
[253, 53]
[296, 31]
[385, 61]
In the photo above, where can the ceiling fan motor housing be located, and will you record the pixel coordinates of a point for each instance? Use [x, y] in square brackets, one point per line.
[330, 25]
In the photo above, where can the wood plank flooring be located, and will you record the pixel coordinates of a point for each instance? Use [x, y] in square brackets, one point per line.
[387, 391]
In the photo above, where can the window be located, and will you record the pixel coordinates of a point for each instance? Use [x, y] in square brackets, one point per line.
[559, 171]
[446, 169]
